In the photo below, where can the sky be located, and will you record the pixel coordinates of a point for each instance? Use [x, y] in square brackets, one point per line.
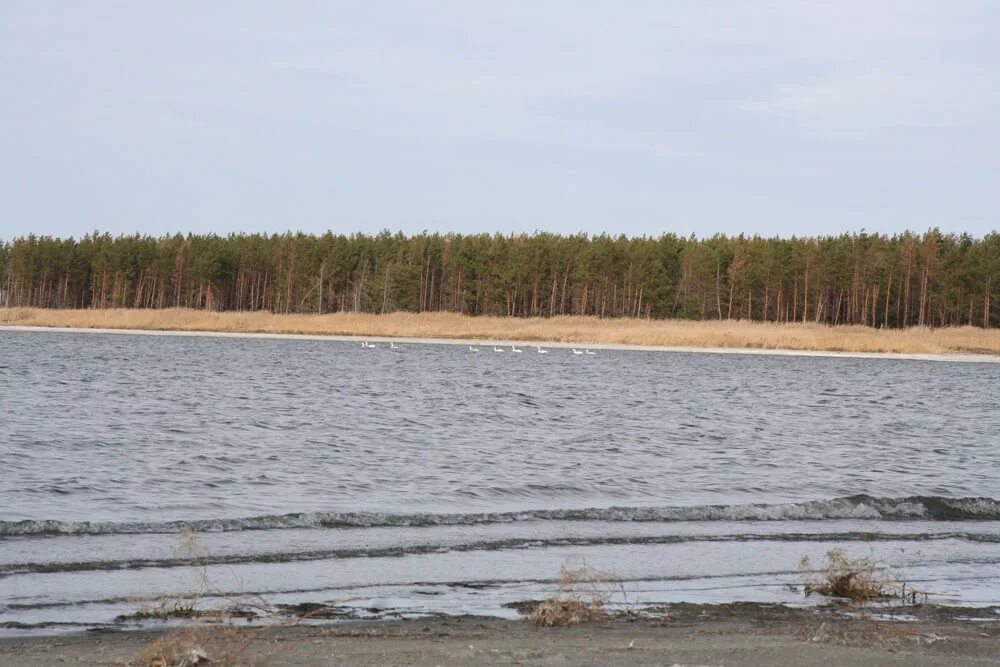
[635, 117]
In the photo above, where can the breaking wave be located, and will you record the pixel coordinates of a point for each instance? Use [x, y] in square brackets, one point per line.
[934, 508]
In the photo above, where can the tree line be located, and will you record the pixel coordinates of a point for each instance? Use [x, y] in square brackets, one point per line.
[903, 280]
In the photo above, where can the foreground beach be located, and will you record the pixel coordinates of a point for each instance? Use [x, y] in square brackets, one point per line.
[736, 634]
[955, 343]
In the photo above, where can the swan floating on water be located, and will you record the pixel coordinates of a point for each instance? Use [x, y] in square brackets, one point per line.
[497, 349]
[473, 349]
[576, 351]
[393, 346]
[540, 350]
[514, 349]
[368, 345]
[588, 352]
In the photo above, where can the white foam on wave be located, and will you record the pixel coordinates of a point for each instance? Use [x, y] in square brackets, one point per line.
[859, 507]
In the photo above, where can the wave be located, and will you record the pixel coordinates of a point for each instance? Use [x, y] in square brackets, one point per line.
[865, 507]
[9, 569]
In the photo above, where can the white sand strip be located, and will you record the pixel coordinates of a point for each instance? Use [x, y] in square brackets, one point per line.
[529, 345]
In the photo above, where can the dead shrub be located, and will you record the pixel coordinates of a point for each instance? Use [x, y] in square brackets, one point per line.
[858, 580]
[580, 597]
[855, 579]
[553, 612]
[209, 633]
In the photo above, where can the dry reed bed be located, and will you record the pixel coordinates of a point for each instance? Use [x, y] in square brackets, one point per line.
[565, 329]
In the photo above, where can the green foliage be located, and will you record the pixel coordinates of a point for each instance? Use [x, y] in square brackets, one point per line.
[903, 280]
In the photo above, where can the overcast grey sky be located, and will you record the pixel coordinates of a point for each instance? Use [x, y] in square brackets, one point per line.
[621, 116]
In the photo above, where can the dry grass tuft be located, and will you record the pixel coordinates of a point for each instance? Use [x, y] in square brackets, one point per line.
[162, 610]
[559, 612]
[854, 579]
[858, 580]
[581, 596]
[563, 329]
[184, 648]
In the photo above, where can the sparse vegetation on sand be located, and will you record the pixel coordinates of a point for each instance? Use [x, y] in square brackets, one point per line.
[209, 619]
[568, 329]
[184, 648]
[748, 635]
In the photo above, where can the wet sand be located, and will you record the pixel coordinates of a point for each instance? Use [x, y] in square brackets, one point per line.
[487, 343]
[736, 634]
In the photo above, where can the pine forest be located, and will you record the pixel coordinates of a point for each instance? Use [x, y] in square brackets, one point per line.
[929, 279]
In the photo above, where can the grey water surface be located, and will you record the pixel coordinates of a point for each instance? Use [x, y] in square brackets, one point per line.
[436, 479]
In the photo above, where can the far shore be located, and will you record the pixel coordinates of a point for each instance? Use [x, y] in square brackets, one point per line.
[962, 344]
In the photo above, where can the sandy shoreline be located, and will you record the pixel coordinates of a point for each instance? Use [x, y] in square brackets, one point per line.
[741, 335]
[529, 344]
[737, 634]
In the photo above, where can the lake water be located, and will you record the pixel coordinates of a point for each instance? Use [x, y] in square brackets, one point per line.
[435, 479]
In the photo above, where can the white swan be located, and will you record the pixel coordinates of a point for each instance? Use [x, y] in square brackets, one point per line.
[514, 349]
[541, 351]
[368, 345]
[497, 349]
[588, 352]
[393, 346]
[473, 349]
[576, 351]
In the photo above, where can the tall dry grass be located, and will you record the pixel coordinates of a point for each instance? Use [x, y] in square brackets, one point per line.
[669, 333]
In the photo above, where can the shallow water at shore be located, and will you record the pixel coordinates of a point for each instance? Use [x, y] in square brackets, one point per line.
[433, 478]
